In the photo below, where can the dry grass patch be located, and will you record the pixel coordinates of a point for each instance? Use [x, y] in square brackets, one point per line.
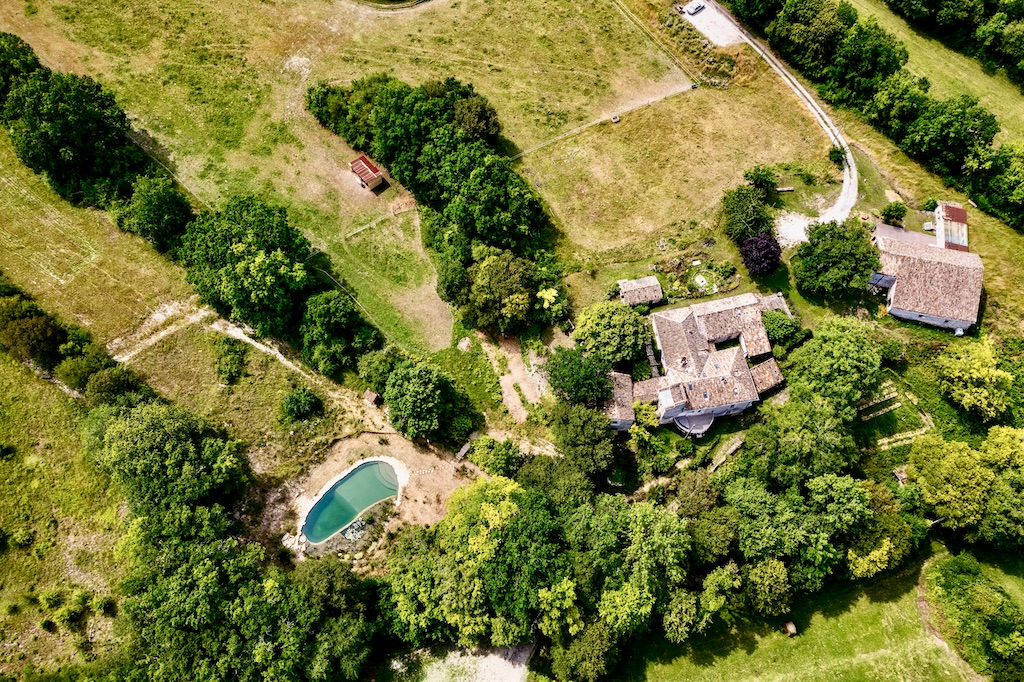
[626, 184]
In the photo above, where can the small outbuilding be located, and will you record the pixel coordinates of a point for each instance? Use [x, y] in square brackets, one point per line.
[790, 629]
[646, 290]
[371, 397]
[369, 175]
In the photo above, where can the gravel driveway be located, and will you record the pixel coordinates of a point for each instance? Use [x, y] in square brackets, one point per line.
[715, 26]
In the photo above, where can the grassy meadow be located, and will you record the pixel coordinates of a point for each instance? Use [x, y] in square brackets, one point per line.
[871, 631]
[952, 73]
[70, 513]
[84, 270]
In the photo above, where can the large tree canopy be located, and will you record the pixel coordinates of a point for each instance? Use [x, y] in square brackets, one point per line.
[612, 332]
[70, 129]
[836, 260]
[247, 259]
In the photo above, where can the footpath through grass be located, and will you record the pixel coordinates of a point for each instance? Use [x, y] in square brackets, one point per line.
[869, 632]
[952, 73]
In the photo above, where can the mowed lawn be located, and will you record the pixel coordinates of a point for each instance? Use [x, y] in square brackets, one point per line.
[952, 73]
[50, 489]
[870, 632]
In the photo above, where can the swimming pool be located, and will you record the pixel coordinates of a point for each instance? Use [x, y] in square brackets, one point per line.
[361, 488]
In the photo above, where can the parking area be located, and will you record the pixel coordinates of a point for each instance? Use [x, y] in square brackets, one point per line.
[713, 23]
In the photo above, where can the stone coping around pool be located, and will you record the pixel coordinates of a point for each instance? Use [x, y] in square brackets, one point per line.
[401, 473]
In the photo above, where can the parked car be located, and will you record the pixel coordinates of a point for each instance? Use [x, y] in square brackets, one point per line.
[694, 7]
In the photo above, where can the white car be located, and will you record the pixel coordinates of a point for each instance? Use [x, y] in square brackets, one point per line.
[694, 7]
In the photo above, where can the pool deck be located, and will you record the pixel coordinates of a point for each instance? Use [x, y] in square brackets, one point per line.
[307, 504]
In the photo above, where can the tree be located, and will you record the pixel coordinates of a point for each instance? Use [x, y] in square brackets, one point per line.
[801, 439]
[70, 129]
[163, 456]
[502, 294]
[839, 364]
[680, 616]
[17, 60]
[894, 212]
[763, 179]
[497, 458]
[248, 260]
[653, 454]
[477, 118]
[376, 367]
[583, 436]
[953, 479]
[885, 540]
[897, 103]
[808, 33]
[422, 404]
[612, 332]
[496, 205]
[75, 371]
[948, 132]
[767, 587]
[157, 212]
[836, 260]
[969, 375]
[578, 378]
[745, 213]
[333, 333]
[589, 657]
[780, 327]
[867, 55]
[761, 254]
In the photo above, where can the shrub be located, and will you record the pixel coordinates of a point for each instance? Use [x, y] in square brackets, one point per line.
[231, 353]
[157, 212]
[51, 599]
[21, 538]
[37, 338]
[837, 155]
[76, 371]
[48, 625]
[69, 616]
[116, 385]
[300, 405]
[103, 605]
[498, 458]
[930, 204]
[17, 60]
[894, 212]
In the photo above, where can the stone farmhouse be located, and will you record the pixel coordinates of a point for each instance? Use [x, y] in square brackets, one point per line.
[716, 361]
[638, 291]
[931, 280]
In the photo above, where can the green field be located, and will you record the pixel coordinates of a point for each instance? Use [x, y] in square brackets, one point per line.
[50, 489]
[952, 73]
[869, 632]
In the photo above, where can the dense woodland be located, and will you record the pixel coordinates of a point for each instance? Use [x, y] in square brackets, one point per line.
[562, 550]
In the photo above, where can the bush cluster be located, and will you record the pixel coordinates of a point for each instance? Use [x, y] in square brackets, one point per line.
[749, 221]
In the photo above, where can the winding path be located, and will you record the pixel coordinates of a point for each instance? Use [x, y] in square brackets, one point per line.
[792, 227]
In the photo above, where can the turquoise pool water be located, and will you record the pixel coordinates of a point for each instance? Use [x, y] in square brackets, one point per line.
[363, 487]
